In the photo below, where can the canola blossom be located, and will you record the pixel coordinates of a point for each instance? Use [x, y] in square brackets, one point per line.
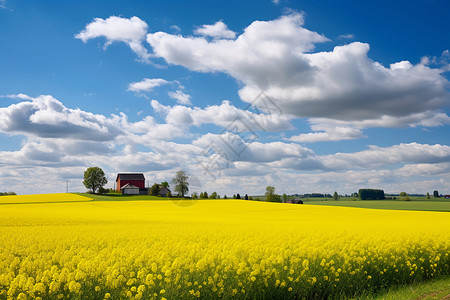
[230, 249]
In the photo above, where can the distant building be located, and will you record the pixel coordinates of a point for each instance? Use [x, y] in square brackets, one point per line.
[294, 201]
[447, 196]
[136, 179]
[129, 189]
[163, 191]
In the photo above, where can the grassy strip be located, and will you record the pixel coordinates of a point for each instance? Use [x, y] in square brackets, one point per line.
[436, 289]
[427, 205]
[119, 197]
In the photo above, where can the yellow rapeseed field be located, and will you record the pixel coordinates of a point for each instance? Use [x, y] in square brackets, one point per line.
[231, 249]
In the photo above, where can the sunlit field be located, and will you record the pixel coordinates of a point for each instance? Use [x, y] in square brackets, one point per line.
[231, 249]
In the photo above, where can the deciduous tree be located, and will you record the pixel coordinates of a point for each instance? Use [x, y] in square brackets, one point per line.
[181, 182]
[94, 178]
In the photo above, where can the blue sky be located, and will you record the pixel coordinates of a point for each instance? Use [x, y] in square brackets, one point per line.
[306, 96]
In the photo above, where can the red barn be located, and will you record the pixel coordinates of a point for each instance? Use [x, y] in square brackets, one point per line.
[136, 179]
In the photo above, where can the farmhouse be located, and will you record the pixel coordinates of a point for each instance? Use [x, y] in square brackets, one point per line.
[135, 179]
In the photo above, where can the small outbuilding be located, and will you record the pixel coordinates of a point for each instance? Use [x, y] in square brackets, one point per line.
[163, 191]
[294, 201]
[129, 189]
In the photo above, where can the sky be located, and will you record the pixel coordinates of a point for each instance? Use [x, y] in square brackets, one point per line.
[306, 96]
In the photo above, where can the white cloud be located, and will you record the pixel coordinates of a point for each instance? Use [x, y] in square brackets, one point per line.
[146, 85]
[343, 84]
[233, 148]
[347, 36]
[335, 130]
[117, 29]
[45, 116]
[328, 134]
[389, 156]
[219, 30]
[181, 97]
[225, 115]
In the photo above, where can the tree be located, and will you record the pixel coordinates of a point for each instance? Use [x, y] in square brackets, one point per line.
[436, 194]
[270, 191]
[225, 197]
[213, 196]
[335, 196]
[205, 195]
[154, 190]
[428, 196]
[285, 198]
[181, 182]
[238, 196]
[246, 197]
[403, 194]
[94, 178]
[194, 196]
[202, 195]
[164, 184]
[169, 195]
[371, 194]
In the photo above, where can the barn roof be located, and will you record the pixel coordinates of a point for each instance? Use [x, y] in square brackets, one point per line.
[130, 176]
[129, 186]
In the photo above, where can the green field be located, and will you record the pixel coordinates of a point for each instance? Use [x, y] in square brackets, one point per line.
[415, 203]
[424, 205]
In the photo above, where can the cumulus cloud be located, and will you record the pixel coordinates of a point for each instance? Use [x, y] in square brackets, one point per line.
[146, 85]
[117, 29]
[225, 115]
[336, 130]
[382, 156]
[343, 84]
[233, 148]
[45, 116]
[328, 134]
[217, 30]
[181, 97]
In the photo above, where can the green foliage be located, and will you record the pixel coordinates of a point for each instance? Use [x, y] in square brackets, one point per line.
[238, 196]
[371, 194]
[154, 190]
[94, 178]
[181, 182]
[7, 194]
[164, 184]
[285, 198]
[169, 195]
[213, 196]
[271, 196]
[102, 190]
[436, 194]
[428, 196]
[335, 196]
[246, 197]
[403, 194]
[225, 197]
[194, 196]
[270, 191]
